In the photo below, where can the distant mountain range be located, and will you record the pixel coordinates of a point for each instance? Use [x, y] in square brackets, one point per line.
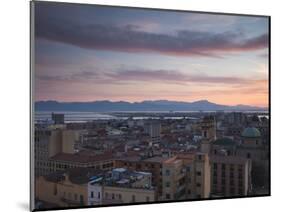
[157, 105]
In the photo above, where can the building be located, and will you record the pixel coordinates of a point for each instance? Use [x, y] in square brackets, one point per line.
[153, 129]
[49, 142]
[86, 186]
[253, 147]
[58, 118]
[183, 176]
[150, 164]
[64, 189]
[127, 186]
[173, 175]
[249, 149]
[123, 195]
[208, 130]
[198, 175]
[64, 161]
[236, 118]
[230, 176]
[224, 146]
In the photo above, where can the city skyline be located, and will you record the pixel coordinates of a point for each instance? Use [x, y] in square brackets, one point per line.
[84, 54]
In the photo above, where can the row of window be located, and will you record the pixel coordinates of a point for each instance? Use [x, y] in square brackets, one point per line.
[231, 182]
[74, 197]
[139, 166]
[232, 191]
[118, 196]
[231, 166]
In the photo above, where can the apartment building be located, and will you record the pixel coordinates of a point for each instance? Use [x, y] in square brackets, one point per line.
[87, 186]
[231, 176]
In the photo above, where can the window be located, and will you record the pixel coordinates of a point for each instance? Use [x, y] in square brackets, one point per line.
[223, 189]
[198, 184]
[75, 196]
[120, 196]
[215, 165]
[240, 168]
[133, 198]
[147, 199]
[167, 172]
[113, 196]
[241, 192]
[168, 184]
[55, 190]
[240, 183]
[223, 166]
[99, 195]
[205, 134]
[168, 196]
[198, 173]
[92, 194]
[240, 176]
[215, 181]
[248, 155]
[215, 173]
[81, 199]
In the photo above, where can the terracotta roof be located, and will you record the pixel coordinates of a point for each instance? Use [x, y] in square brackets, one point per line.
[82, 158]
[156, 159]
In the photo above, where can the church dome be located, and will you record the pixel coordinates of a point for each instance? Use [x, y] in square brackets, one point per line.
[251, 132]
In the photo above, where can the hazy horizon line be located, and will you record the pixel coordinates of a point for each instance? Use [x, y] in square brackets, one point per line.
[146, 100]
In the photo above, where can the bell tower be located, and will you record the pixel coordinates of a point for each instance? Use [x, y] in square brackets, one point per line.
[208, 132]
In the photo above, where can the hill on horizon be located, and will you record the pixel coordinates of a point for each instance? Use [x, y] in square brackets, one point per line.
[147, 105]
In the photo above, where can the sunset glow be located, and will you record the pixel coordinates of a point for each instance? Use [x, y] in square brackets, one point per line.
[89, 53]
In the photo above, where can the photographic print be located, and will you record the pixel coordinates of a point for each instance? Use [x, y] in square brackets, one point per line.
[139, 106]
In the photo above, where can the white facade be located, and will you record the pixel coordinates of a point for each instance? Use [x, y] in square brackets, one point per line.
[94, 193]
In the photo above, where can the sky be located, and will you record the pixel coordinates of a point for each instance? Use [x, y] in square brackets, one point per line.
[88, 53]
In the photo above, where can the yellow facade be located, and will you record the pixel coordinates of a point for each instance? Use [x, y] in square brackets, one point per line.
[127, 195]
[63, 193]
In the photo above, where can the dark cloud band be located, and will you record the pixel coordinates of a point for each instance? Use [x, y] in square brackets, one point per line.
[132, 39]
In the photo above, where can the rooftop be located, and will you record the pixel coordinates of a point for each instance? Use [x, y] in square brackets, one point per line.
[251, 132]
[82, 158]
[156, 159]
[229, 159]
[224, 142]
[75, 175]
